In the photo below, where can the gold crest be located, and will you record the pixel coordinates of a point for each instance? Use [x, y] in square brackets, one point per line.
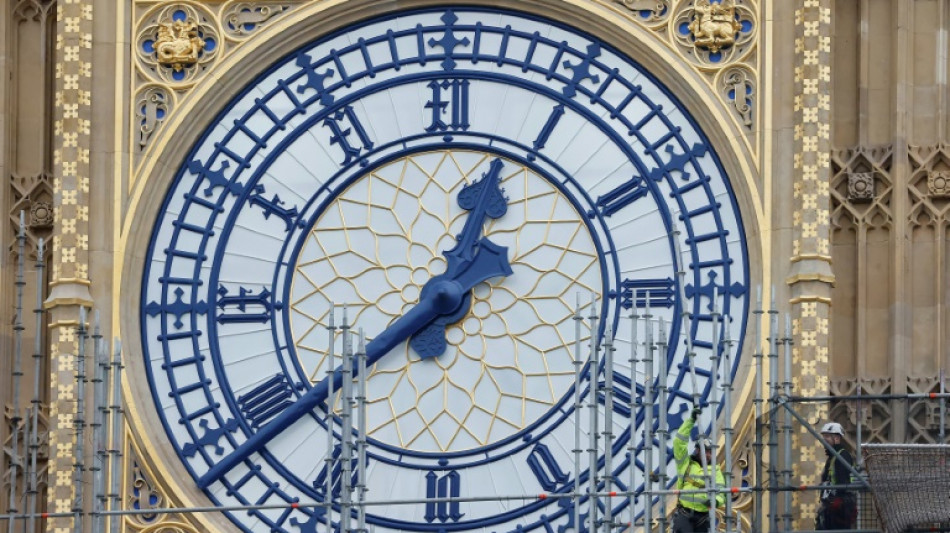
[178, 45]
[714, 26]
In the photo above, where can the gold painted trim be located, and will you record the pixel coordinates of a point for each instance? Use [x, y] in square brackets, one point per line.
[70, 281]
[797, 278]
[59, 302]
[810, 299]
[63, 324]
[811, 257]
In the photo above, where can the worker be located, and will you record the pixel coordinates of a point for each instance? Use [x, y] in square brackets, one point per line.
[837, 507]
[692, 508]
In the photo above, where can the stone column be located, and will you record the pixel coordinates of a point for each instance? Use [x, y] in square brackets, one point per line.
[811, 277]
[70, 263]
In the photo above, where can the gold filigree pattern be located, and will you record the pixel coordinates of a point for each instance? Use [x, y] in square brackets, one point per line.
[510, 359]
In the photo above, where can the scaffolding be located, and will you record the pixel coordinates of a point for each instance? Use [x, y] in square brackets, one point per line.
[650, 495]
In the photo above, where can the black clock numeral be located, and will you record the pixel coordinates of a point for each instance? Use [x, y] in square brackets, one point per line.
[343, 124]
[266, 400]
[635, 291]
[443, 486]
[453, 104]
[252, 307]
[625, 194]
[545, 468]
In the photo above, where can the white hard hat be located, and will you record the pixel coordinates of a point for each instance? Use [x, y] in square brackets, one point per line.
[705, 442]
[833, 427]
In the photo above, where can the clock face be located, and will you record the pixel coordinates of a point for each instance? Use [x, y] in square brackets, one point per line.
[457, 183]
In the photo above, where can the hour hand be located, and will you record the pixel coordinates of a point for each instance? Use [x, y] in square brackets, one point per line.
[483, 198]
[490, 261]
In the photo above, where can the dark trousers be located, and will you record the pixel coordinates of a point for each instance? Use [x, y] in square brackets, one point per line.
[837, 512]
[689, 521]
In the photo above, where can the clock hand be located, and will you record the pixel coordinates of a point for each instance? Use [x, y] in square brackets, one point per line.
[444, 295]
[483, 198]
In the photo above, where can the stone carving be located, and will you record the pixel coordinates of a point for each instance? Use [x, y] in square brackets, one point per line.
[938, 182]
[178, 45]
[860, 186]
[41, 215]
[241, 19]
[151, 108]
[873, 212]
[647, 11]
[144, 494]
[929, 188]
[714, 26]
[737, 86]
[714, 35]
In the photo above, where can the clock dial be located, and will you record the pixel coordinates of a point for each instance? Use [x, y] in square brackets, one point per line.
[509, 359]
[457, 179]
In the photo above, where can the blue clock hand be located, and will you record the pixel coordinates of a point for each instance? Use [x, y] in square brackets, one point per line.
[483, 198]
[444, 295]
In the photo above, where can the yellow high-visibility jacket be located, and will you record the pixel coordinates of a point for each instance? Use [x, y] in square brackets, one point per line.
[690, 473]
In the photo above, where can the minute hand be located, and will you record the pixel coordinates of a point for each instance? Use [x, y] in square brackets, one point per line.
[443, 296]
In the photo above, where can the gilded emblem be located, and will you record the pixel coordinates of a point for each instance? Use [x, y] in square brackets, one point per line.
[178, 45]
[714, 26]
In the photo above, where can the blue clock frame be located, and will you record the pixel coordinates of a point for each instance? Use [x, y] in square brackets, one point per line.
[187, 305]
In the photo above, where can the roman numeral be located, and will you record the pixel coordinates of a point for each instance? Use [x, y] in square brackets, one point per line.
[556, 113]
[453, 106]
[545, 468]
[628, 192]
[445, 486]
[635, 291]
[246, 300]
[343, 124]
[266, 400]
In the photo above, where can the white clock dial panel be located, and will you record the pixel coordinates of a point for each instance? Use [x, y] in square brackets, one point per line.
[506, 164]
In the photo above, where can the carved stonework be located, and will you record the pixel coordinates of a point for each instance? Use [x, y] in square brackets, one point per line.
[714, 26]
[34, 196]
[242, 19]
[861, 186]
[876, 416]
[929, 186]
[737, 86]
[873, 207]
[152, 106]
[32, 9]
[714, 35]
[177, 43]
[648, 12]
[144, 494]
[938, 183]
